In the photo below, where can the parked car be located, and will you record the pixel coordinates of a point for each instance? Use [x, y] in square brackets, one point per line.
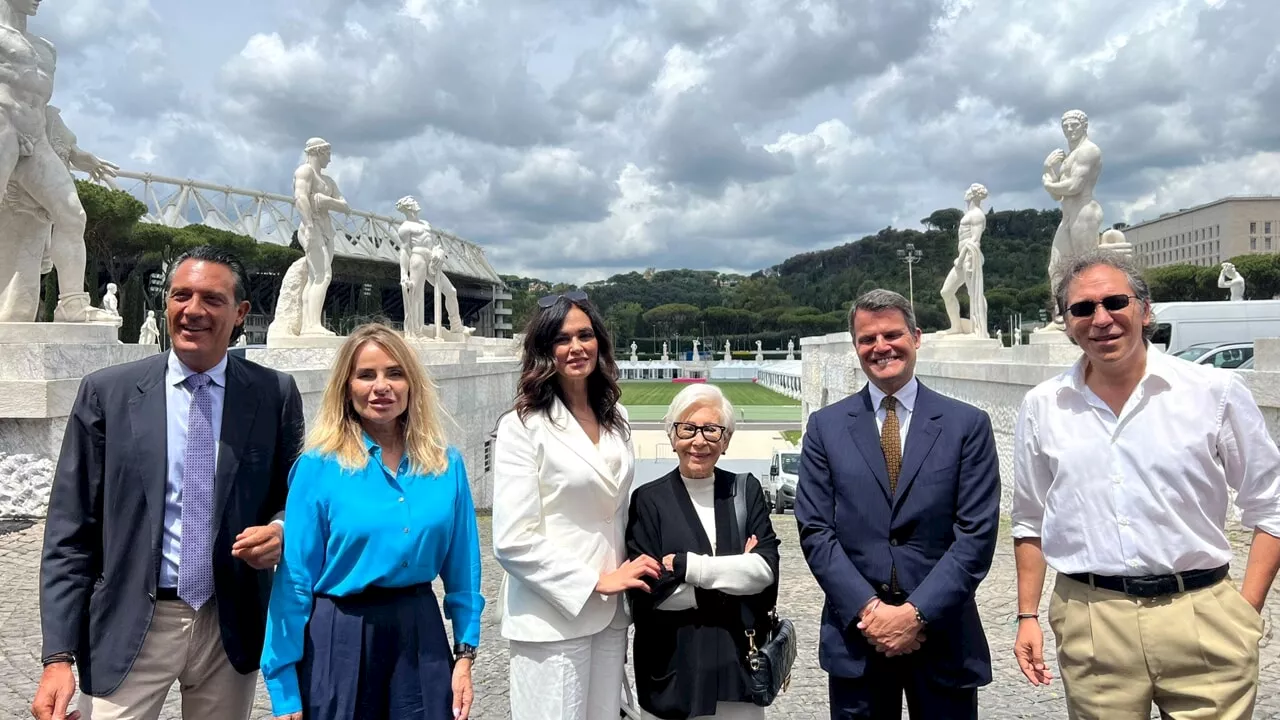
[1223, 355]
[784, 473]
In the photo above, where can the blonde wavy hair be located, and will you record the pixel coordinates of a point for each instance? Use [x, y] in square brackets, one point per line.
[337, 431]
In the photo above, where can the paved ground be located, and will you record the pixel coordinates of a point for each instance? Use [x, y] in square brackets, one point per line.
[1009, 696]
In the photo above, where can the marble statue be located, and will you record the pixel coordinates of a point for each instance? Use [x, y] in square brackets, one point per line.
[634, 357]
[967, 269]
[728, 353]
[243, 340]
[35, 177]
[1000, 336]
[665, 357]
[695, 351]
[149, 334]
[300, 306]
[110, 303]
[422, 262]
[1231, 278]
[791, 349]
[759, 351]
[1069, 177]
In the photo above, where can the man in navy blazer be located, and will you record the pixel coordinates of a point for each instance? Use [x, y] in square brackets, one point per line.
[898, 510]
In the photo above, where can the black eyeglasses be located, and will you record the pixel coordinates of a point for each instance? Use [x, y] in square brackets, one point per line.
[547, 301]
[710, 433]
[1112, 303]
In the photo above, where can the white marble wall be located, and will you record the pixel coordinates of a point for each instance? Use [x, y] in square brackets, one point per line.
[38, 384]
[995, 383]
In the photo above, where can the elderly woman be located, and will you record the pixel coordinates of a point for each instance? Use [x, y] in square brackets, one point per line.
[379, 507]
[718, 581]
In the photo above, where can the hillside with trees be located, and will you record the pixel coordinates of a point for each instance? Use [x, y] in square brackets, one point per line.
[810, 293]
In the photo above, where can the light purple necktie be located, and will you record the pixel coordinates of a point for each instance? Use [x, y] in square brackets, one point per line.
[195, 566]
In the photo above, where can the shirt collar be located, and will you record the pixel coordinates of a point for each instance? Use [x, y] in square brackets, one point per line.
[906, 397]
[1160, 371]
[179, 372]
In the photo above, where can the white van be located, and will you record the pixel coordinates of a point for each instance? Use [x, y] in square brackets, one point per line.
[1179, 325]
[784, 473]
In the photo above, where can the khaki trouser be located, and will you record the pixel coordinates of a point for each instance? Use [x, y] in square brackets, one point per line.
[1194, 654]
[183, 645]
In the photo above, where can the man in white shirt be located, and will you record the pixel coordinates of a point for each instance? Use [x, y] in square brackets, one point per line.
[1122, 467]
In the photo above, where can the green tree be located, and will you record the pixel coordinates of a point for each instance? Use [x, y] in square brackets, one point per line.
[757, 294]
[671, 318]
[623, 320]
[946, 220]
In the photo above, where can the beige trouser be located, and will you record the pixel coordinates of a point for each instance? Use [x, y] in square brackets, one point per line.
[186, 646]
[1194, 654]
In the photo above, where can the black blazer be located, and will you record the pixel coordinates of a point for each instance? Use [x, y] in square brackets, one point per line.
[688, 660]
[101, 559]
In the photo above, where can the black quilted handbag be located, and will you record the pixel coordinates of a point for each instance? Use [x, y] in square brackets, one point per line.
[768, 664]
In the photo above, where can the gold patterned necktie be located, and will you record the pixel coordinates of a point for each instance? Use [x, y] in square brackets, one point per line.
[890, 442]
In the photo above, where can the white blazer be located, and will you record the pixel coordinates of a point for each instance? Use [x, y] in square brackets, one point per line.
[559, 521]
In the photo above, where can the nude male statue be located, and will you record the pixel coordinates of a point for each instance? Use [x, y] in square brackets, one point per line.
[1069, 177]
[29, 159]
[1231, 279]
[421, 262]
[300, 306]
[967, 268]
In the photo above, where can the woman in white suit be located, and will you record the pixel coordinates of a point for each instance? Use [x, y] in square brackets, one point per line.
[563, 465]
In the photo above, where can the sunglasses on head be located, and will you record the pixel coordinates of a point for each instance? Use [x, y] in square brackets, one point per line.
[1112, 303]
[547, 301]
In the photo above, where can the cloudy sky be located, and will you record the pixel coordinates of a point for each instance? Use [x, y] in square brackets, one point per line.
[577, 138]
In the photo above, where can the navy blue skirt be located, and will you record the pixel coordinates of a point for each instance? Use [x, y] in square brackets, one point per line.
[382, 653]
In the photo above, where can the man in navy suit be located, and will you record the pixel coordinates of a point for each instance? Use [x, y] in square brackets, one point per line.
[898, 509]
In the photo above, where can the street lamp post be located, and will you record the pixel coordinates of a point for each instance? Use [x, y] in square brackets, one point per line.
[911, 256]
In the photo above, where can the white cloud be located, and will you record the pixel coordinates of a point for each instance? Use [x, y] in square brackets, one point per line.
[586, 137]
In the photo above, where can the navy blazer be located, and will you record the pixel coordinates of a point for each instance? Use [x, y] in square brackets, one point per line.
[101, 560]
[939, 530]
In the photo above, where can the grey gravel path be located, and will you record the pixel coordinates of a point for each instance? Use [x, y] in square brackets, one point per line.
[1009, 696]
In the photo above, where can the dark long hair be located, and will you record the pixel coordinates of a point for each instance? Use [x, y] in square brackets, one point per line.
[539, 383]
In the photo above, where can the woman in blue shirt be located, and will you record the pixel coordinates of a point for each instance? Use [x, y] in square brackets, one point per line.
[379, 507]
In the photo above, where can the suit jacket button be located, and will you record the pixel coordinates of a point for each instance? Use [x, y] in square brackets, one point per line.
[884, 588]
[893, 542]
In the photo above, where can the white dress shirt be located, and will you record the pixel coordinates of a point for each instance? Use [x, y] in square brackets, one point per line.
[177, 409]
[906, 398]
[1145, 492]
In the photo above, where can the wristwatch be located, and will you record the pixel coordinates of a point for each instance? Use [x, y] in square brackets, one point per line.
[463, 650]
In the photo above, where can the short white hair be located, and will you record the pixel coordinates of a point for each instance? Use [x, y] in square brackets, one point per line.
[695, 397]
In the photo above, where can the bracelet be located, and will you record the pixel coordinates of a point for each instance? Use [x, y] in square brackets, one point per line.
[62, 657]
[1027, 616]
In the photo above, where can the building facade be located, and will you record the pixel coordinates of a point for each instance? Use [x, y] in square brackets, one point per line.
[1208, 234]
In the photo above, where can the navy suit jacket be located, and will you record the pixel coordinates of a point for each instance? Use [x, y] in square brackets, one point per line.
[939, 529]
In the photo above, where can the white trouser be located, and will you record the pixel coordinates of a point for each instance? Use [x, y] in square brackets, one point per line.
[579, 679]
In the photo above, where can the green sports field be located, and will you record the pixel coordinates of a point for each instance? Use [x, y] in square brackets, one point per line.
[647, 401]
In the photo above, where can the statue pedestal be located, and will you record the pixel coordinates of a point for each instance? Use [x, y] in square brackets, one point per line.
[305, 341]
[41, 365]
[1048, 346]
[959, 346]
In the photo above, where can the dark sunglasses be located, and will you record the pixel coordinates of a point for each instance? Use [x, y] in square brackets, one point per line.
[547, 301]
[1112, 303]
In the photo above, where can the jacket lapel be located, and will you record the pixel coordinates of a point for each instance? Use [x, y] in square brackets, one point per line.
[239, 406]
[921, 435]
[866, 437]
[680, 494]
[565, 427]
[148, 418]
